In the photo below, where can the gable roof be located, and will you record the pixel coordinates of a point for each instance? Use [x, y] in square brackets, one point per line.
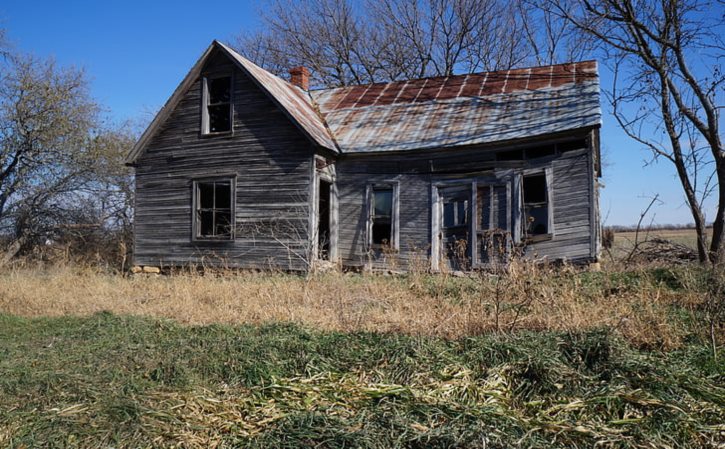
[292, 100]
[423, 113]
[462, 110]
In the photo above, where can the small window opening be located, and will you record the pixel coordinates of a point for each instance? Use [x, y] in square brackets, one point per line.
[572, 145]
[219, 105]
[536, 204]
[511, 155]
[214, 217]
[382, 208]
[542, 151]
[455, 213]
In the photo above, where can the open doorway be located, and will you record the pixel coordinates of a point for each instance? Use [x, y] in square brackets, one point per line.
[323, 220]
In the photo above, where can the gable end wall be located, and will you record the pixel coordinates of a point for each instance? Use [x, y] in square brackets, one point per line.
[271, 161]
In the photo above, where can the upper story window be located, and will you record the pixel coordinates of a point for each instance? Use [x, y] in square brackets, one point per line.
[217, 105]
[214, 204]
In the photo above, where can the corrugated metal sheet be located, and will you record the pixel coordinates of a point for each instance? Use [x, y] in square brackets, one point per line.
[292, 99]
[462, 110]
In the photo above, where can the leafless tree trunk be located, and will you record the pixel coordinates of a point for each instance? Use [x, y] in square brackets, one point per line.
[668, 82]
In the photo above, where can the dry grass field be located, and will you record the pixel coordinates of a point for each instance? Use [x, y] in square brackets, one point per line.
[542, 356]
[637, 303]
[682, 236]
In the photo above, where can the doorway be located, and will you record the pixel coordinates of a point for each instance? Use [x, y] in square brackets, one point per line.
[323, 220]
[455, 226]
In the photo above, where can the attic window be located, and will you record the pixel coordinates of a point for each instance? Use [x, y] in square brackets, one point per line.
[214, 209]
[217, 110]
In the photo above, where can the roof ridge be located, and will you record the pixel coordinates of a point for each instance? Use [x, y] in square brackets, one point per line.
[485, 72]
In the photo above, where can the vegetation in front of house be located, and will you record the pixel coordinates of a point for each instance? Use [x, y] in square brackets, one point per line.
[638, 303]
[120, 381]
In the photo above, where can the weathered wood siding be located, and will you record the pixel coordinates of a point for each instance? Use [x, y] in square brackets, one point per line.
[271, 160]
[573, 200]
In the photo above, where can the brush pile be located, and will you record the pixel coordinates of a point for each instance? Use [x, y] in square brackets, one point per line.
[658, 249]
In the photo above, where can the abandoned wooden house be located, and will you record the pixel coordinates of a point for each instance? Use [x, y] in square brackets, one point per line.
[243, 168]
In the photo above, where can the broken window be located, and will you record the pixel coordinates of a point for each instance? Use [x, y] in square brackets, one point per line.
[214, 215]
[218, 107]
[382, 216]
[455, 213]
[536, 204]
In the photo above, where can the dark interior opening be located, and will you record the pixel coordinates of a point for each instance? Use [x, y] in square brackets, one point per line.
[219, 104]
[572, 145]
[323, 221]
[382, 216]
[536, 205]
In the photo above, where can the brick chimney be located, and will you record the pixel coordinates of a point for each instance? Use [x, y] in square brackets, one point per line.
[300, 77]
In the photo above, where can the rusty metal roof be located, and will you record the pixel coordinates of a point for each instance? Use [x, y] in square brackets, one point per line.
[462, 110]
[423, 113]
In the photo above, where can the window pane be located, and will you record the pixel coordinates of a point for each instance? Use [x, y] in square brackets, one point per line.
[383, 202]
[535, 189]
[449, 215]
[206, 195]
[219, 118]
[537, 219]
[455, 213]
[219, 90]
[223, 195]
[381, 232]
[223, 223]
[206, 223]
[462, 212]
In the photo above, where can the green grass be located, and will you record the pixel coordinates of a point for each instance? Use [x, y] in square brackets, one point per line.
[118, 381]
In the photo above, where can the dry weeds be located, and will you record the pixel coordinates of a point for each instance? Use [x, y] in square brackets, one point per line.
[533, 298]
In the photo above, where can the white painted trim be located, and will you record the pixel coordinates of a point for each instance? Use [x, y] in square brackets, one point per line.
[334, 222]
[473, 229]
[312, 217]
[549, 172]
[204, 105]
[395, 225]
[435, 244]
[517, 208]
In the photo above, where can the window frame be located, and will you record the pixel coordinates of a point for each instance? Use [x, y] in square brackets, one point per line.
[196, 207]
[547, 172]
[394, 243]
[205, 98]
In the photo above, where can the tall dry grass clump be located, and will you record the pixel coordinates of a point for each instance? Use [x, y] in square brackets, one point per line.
[637, 303]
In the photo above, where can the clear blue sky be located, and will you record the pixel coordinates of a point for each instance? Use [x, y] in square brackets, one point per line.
[136, 52]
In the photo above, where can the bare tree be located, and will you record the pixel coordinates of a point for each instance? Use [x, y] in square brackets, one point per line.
[668, 89]
[551, 38]
[344, 42]
[57, 162]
